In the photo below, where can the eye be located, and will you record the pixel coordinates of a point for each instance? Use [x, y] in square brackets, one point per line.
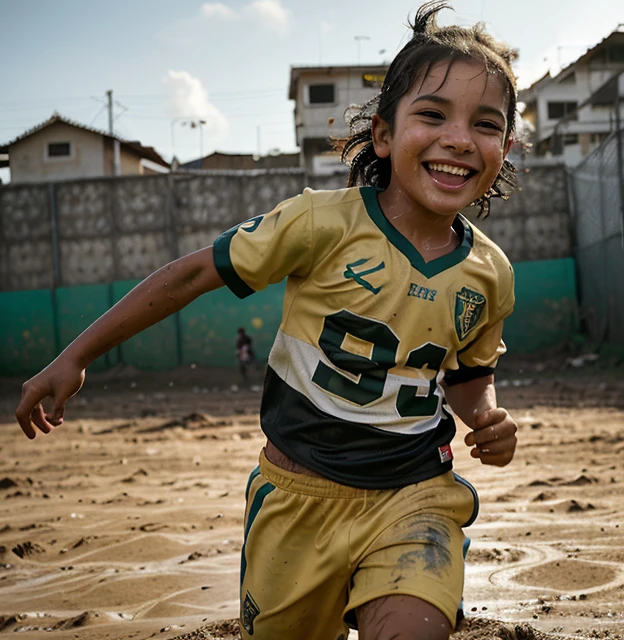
[429, 113]
[488, 124]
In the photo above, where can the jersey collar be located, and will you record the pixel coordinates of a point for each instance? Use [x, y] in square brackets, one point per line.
[428, 269]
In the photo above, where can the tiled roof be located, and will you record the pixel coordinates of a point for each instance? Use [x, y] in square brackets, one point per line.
[616, 36]
[149, 153]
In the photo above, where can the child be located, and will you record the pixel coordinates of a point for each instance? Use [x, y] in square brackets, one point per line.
[392, 317]
[244, 352]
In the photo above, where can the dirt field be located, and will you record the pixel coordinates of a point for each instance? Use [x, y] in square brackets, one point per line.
[127, 521]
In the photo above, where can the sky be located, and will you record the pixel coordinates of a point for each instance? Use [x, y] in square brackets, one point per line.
[228, 62]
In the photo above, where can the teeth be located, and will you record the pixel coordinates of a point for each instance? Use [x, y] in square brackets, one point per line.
[447, 168]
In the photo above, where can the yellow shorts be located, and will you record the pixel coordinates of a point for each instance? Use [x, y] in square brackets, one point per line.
[316, 550]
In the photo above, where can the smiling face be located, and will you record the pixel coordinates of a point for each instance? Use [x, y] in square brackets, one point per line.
[448, 141]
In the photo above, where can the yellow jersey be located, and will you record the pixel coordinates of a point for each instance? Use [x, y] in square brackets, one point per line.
[368, 332]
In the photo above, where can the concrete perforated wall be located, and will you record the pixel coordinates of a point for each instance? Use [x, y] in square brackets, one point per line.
[69, 251]
[534, 224]
[98, 231]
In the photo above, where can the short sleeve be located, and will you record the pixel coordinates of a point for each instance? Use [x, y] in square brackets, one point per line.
[480, 357]
[267, 248]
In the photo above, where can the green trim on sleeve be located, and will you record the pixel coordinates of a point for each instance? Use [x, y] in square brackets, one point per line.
[224, 266]
[465, 374]
[428, 269]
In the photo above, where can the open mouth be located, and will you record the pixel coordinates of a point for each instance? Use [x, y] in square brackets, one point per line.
[449, 175]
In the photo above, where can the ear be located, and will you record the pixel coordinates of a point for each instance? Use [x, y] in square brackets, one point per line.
[380, 132]
[508, 145]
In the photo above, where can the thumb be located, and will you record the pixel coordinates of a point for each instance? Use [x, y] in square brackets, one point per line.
[58, 411]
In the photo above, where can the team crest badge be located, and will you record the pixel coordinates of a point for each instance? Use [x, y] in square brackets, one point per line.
[469, 306]
[250, 611]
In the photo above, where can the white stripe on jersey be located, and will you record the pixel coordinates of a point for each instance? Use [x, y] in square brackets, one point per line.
[295, 361]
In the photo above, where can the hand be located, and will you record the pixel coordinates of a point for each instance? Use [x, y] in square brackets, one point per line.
[60, 381]
[494, 437]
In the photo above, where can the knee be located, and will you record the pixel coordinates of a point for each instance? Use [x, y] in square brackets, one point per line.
[402, 617]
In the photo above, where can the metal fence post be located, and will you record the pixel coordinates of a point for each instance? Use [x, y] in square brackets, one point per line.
[110, 201]
[56, 265]
[174, 245]
[620, 159]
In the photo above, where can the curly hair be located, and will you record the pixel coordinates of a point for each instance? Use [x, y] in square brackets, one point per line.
[428, 46]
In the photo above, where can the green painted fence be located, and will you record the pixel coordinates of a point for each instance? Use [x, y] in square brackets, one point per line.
[37, 325]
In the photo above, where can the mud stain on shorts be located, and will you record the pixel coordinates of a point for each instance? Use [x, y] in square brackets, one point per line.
[435, 538]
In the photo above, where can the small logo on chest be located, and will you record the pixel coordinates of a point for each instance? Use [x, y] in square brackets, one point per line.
[359, 275]
[424, 293]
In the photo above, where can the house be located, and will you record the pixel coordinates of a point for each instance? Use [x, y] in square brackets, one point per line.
[574, 111]
[219, 161]
[322, 95]
[61, 149]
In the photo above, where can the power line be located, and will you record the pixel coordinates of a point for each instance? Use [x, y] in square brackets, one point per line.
[21, 105]
[95, 117]
[236, 116]
[212, 95]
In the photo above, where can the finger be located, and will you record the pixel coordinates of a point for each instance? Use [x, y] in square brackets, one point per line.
[38, 417]
[498, 453]
[486, 435]
[494, 459]
[498, 447]
[32, 395]
[56, 417]
[494, 433]
[23, 418]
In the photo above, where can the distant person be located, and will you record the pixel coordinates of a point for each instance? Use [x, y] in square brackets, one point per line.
[392, 323]
[244, 352]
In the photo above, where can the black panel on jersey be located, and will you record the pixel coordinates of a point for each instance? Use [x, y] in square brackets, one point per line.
[353, 454]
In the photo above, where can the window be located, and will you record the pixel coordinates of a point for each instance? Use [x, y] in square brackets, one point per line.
[570, 138]
[557, 110]
[616, 53]
[321, 93]
[59, 149]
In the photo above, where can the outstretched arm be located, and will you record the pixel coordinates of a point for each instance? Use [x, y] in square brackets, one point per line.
[164, 292]
[493, 434]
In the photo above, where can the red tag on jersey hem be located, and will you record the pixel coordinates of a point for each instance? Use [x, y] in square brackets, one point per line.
[446, 454]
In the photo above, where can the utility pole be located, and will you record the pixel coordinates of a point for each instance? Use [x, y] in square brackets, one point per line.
[109, 97]
[116, 147]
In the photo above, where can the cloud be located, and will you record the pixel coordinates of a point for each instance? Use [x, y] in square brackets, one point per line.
[186, 97]
[271, 14]
[189, 31]
[217, 9]
[268, 13]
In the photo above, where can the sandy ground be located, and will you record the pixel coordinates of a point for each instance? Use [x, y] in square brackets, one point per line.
[127, 521]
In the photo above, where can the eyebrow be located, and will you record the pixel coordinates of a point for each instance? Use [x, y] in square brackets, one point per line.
[483, 108]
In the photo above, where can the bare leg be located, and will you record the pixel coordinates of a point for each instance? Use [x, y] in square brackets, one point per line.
[243, 372]
[401, 617]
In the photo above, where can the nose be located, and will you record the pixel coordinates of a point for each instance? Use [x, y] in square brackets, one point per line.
[457, 138]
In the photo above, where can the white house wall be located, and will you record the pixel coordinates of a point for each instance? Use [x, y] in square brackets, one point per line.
[29, 163]
[590, 119]
[312, 120]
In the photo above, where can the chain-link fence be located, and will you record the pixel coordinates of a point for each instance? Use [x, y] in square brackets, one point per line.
[597, 188]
